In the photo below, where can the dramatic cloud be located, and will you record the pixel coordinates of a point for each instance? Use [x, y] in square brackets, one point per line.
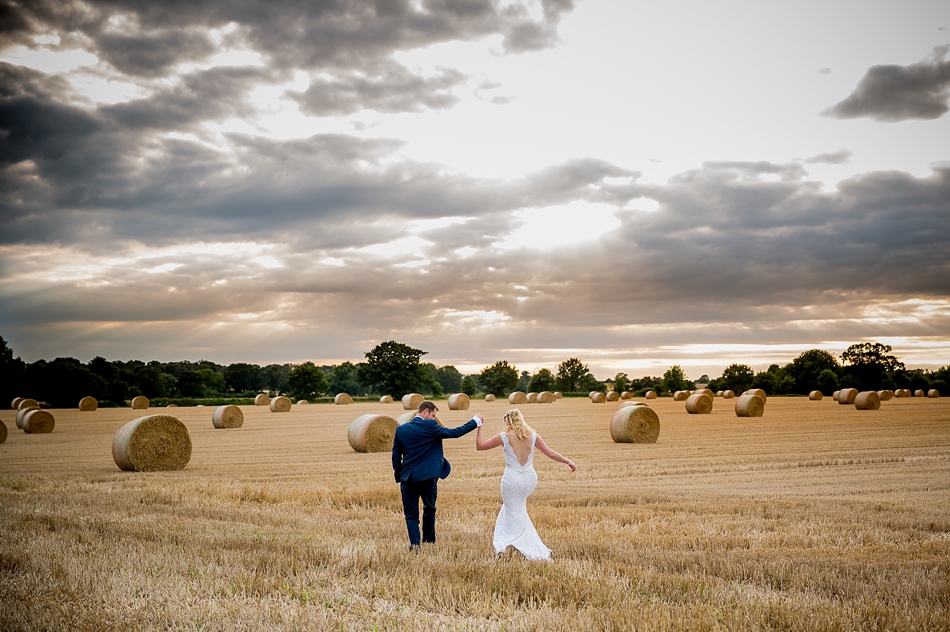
[899, 93]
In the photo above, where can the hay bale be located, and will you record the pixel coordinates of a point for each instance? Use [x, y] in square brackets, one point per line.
[412, 401]
[707, 391]
[635, 423]
[20, 414]
[228, 416]
[372, 433]
[302, 402]
[154, 443]
[532, 398]
[867, 400]
[758, 392]
[933, 394]
[458, 401]
[280, 404]
[26, 402]
[342, 399]
[546, 397]
[386, 399]
[139, 402]
[650, 395]
[15, 405]
[613, 396]
[558, 395]
[172, 406]
[626, 395]
[728, 394]
[262, 399]
[834, 395]
[884, 395]
[718, 393]
[748, 405]
[919, 392]
[699, 404]
[846, 396]
[906, 392]
[815, 396]
[517, 398]
[598, 397]
[3, 431]
[681, 396]
[88, 404]
[489, 398]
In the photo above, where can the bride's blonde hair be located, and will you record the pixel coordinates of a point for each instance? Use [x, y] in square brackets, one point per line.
[514, 420]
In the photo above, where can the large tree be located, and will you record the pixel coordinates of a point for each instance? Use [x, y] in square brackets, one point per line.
[307, 381]
[11, 372]
[808, 367]
[449, 378]
[393, 368]
[242, 377]
[572, 375]
[499, 379]
[675, 380]
[869, 366]
[543, 380]
[737, 378]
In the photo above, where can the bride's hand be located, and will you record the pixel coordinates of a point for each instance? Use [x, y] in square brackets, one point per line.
[571, 465]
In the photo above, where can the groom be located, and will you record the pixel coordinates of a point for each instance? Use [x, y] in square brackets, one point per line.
[418, 464]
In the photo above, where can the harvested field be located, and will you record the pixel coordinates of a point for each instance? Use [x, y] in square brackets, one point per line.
[815, 516]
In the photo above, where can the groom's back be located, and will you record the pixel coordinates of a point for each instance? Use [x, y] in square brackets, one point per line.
[419, 443]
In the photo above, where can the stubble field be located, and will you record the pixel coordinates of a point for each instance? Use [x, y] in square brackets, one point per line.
[813, 517]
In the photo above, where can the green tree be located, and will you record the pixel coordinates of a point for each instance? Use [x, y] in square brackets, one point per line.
[11, 372]
[241, 377]
[523, 382]
[62, 382]
[468, 386]
[393, 368]
[806, 368]
[275, 377]
[869, 365]
[675, 380]
[449, 379]
[621, 380]
[736, 377]
[190, 384]
[827, 382]
[307, 381]
[572, 374]
[499, 379]
[543, 380]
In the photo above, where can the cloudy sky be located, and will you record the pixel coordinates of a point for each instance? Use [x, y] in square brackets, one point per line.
[637, 184]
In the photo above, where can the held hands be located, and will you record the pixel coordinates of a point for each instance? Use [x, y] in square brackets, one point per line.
[479, 420]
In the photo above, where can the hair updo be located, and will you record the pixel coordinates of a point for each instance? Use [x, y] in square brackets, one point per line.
[514, 420]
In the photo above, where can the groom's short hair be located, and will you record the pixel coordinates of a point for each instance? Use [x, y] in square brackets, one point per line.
[427, 405]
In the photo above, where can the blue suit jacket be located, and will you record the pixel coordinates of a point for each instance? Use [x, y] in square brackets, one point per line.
[417, 449]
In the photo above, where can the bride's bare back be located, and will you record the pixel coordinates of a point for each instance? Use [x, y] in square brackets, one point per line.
[521, 447]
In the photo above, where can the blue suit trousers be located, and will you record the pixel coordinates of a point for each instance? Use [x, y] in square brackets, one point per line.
[412, 491]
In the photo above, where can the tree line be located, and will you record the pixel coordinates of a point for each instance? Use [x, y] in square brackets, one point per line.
[394, 368]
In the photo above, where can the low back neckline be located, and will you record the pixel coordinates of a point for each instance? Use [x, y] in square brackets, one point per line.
[512, 450]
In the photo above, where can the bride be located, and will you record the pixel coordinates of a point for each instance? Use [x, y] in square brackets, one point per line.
[513, 526]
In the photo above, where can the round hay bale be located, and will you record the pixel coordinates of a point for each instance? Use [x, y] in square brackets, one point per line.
[635, 423]
[846, 396]
[613, 396]
[558, 395]
[708, 391]
[88, 404]
[699, 404]
[919, 392]
[15, 405]
[630, 402]
[262, 399]
[280, 404]
[386, 399]
[3, 431]
[598, 397]
[718, 393]
[867, 400]
[302, 402]
[749, 406]
[26, 402]
[412, 401]
[489, 398]
[172, 406]
[758, 392]
[546, 397]
[38, 421]
[20, 414]
[906, 392]
[139, 402]
[933, 394]
[884, 395]
[815, 396]
[227, 416]
[591, 393]
[834, 395]
[680, 396]
[342, 399]
[458, 401]
[626, 395]
[372, 433]
[728, 394]
[154, 443]
[650, 395]
[532, 398]
[517, 398]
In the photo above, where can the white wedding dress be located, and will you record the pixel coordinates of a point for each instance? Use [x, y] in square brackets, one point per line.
[513, 526]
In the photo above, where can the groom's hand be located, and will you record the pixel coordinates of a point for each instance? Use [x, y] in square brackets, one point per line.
[479, 420]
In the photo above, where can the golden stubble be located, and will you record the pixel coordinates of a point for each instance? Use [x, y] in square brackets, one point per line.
[815, 516]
